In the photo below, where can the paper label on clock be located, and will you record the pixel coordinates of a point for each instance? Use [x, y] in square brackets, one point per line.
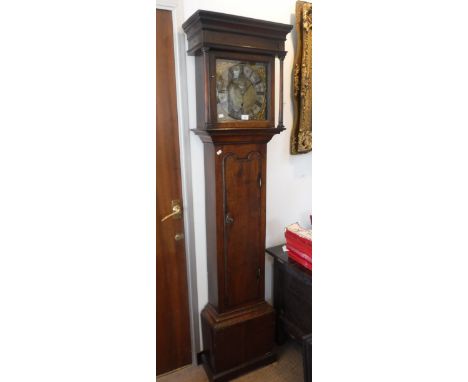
[220, 115]
[245, 117]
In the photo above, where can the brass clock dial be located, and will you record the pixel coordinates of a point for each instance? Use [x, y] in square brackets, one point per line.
[241, 90]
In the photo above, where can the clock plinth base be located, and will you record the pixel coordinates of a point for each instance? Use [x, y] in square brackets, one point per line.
[237, 371]
[238, 341]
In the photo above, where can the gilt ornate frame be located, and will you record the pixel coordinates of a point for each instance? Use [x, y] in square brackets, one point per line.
[301, 133]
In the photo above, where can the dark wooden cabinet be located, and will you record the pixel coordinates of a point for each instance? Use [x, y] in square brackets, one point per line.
[292, 296]
[307, 357]
[234, 58]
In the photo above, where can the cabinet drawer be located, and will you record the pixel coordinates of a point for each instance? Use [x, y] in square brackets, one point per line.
[295, 297]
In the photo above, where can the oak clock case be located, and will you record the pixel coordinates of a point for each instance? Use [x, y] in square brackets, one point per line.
[235, 71]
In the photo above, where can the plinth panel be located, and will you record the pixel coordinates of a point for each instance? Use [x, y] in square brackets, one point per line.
[238, 341]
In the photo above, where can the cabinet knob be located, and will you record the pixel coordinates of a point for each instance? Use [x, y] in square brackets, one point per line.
[229, 218]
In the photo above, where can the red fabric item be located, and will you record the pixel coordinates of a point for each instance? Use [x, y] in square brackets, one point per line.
[298, 259]
[299, 247]
[300, 252]
[295, 238]
[299, 244]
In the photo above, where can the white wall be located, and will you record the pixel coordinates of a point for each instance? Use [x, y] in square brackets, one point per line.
[289, 178]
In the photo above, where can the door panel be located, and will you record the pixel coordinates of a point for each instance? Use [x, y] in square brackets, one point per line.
[242, 184]
[173, 344]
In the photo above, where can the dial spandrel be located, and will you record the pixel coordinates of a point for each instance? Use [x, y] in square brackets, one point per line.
[241, 89]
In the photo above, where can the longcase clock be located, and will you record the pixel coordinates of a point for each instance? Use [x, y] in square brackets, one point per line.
[235, 81]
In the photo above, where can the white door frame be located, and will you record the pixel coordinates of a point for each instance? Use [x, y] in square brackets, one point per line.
[186, 174]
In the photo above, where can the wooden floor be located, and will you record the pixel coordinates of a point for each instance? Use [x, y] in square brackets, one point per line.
[288, 368]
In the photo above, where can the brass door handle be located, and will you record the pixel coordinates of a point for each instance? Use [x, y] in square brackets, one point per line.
[176, 211]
